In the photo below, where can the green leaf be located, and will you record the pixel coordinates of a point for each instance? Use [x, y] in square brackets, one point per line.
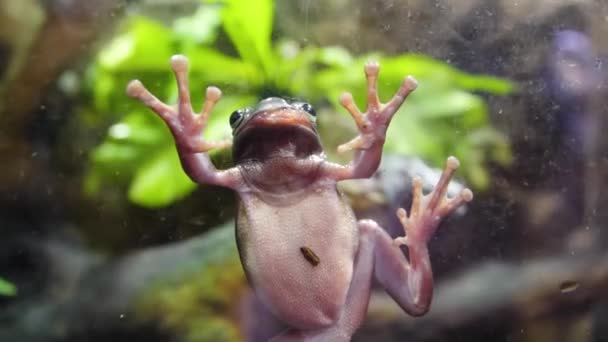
[295, 70]
[145, 45]
[141, 127]
[425, 67]
[130, 141]
[128, 144]
[409, 136]
[248, 23]
[216, 68]
[160, 181]
[115, 153]
[7, 288]
[200, 28]
[335, 56]
[445, 103]
[484, 83]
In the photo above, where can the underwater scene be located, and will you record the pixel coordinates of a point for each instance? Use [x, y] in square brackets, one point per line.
[340, 170]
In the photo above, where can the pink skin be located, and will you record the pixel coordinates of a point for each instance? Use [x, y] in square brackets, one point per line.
[289, 200]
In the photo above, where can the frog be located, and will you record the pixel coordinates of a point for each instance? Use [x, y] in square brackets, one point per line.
[306, 256]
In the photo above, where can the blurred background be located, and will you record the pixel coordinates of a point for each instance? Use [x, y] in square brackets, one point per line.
[102, 236]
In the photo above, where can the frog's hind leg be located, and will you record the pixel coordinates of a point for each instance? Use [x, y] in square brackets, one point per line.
[357, 299]
[409, 281]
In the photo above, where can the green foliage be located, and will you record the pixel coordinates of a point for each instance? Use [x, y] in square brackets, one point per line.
[444, 116]
[7, 288]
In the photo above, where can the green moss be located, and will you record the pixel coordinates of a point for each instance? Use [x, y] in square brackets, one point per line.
[212, 329]
[195, 288]
[200, 307]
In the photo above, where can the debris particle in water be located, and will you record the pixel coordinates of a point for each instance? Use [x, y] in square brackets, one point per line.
[568, 286]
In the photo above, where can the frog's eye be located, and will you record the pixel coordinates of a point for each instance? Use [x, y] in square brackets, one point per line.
[236, 117]
[307, 107]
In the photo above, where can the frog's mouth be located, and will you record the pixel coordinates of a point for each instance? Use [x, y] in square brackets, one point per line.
[278, 134]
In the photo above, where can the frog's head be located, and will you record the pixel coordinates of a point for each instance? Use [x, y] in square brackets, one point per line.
[275, 127]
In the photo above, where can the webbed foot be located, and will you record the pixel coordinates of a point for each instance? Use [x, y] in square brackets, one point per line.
[428, 210]
[374, 122]
[186, 126]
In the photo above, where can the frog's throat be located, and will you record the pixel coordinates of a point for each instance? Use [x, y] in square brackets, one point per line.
[262, 143]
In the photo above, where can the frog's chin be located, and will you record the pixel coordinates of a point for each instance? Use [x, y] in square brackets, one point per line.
[264, 142]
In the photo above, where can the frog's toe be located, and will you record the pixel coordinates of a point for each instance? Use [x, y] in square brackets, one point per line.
[179, 63]
[372, 68]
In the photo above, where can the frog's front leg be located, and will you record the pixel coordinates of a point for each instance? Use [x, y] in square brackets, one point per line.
[187, 127]
[372, 126]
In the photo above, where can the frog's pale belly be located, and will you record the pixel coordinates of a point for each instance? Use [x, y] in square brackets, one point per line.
[270, 238]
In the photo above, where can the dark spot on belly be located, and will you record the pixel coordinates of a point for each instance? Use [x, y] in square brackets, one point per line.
[309, 255]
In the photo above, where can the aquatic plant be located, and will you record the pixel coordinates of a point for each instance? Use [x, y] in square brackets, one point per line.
[444, 116]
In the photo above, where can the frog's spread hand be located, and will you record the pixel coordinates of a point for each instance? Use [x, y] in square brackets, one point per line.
[374, 122]
[186, 126]
[428, 211]
[372, 127]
